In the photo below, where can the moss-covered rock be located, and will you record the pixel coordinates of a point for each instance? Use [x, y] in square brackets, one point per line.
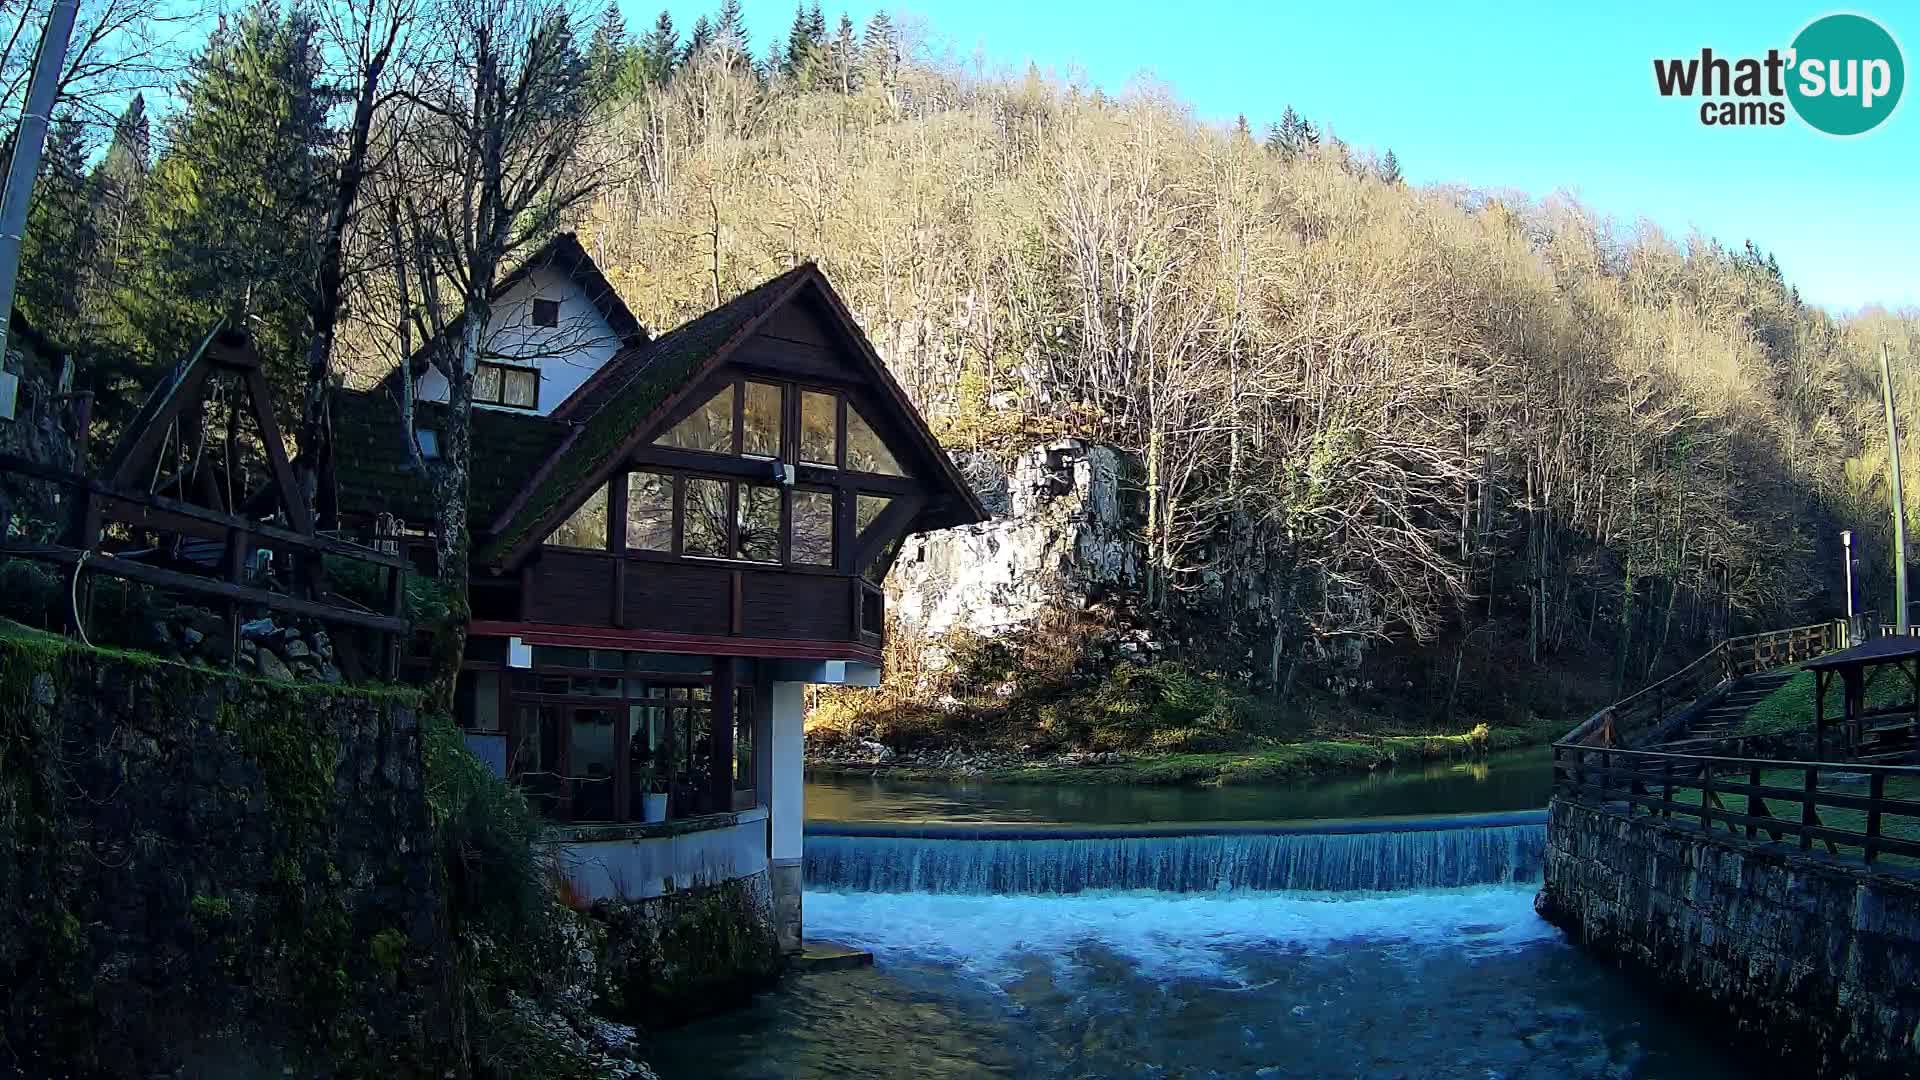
[672, 957]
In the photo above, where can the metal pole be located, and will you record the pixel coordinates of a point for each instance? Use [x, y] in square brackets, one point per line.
[1846, 544]
[1899, 501]
[27, 143]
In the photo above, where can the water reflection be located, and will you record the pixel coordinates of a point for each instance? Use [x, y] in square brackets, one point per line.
[1520, 780]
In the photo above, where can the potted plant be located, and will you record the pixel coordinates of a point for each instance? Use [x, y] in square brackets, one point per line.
[653, 793]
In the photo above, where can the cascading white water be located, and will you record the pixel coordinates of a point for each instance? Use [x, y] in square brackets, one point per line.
[1312, 861]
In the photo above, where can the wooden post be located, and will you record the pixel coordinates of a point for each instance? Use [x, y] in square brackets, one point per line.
[1753, 779]
[721, 713]
[1666, 772]
[1876, 790]
[1820, 714]
[1807, 815]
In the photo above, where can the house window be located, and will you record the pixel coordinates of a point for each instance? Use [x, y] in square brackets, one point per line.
[649, 511]
[758, 530]
[865, 451]
[710, 428]
[867, 509]
[760, 421]
[819, 428]
[428, 439]
[546, 313]
[504, 384]
[812, 528]
[587, 527]
[705, 530]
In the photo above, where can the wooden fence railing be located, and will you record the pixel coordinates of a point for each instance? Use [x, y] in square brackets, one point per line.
[1626, 720]
[1873, 810]
[93, 505]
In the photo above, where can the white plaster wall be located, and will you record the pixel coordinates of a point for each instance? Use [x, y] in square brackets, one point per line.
[788, 712]
[565, 354]
[640, 868]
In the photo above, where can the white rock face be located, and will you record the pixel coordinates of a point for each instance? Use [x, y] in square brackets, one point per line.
[1066, 536]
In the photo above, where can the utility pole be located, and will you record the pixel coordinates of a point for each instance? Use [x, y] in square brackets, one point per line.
[1899, 501]
[28, 140]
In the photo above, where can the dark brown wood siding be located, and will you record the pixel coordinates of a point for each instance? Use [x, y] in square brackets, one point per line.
[680, 598]
[571, 587]
[812, 606]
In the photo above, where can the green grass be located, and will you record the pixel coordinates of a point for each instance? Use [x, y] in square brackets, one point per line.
[1277, 762]
[1790, 708]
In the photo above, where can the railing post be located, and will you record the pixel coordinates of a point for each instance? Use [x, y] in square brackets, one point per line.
[1666, 773]
[1753, 780]
[1876, 791]
[1706, 800]
[1807, 814]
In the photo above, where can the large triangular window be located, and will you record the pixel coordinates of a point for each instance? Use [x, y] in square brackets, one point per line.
[709, 428]
[865, 452]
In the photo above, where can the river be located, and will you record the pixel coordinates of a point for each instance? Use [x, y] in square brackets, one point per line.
[1022, 931]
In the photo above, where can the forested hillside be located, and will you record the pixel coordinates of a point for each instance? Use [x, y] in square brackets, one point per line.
[1482, 426]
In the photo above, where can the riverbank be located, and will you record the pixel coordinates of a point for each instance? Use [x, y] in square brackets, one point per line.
[1269, 763]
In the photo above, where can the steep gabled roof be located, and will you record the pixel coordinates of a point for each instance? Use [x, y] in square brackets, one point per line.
[618, 411]
[565, 254]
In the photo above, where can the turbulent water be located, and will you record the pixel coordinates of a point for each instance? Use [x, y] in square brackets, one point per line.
[1260, 958]
[1314, 861]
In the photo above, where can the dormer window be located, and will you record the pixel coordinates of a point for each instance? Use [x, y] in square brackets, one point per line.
[546, 313]
[505, 384]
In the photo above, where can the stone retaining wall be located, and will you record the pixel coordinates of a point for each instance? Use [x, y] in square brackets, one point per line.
[1808, 961]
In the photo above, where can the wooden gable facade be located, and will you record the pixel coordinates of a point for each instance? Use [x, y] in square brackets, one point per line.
[709, 512]
[751, 511]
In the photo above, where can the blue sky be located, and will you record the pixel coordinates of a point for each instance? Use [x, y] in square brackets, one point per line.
[1536, 97]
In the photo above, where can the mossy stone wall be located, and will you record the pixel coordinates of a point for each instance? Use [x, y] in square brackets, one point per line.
[206, 874]
[1810, 963]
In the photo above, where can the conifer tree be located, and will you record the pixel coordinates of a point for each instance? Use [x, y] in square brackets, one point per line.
[845, 53]
[1390, 168]
[234, 207]
[699, 41]
[880, 50]
[732, 21]
[660, 49]
[59, 242]
[608, 60]
[1240, 128]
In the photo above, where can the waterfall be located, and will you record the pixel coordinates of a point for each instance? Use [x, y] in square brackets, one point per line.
[1380, 856]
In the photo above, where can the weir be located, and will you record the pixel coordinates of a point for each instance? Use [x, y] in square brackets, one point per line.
[1368, 855]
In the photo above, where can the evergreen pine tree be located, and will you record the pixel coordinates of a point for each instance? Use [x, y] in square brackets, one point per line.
[1390, 168]
[58, 245]
[699, 41]
[1240, 128]
[114, 202]
[880, 51]
[1292, 135]
[1275, 140]
[607, 56]
[660, 49]
[235, 205]
[732, 22]
[845, 52]
[799, 42]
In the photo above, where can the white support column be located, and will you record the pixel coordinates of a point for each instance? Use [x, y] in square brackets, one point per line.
[787, 808]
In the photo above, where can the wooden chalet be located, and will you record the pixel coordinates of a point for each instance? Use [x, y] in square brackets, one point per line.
[672, 536]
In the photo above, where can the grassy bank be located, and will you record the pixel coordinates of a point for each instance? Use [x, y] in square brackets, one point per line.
[1790, 708]
[1273, 763]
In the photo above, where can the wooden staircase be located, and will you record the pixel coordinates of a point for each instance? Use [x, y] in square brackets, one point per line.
[1724, 717]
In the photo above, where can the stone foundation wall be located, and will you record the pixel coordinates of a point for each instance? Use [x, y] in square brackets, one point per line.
[205, 874]
[695, 950]
[1807, 961]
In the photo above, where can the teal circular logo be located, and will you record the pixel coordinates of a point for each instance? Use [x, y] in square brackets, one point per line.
[1847, 74]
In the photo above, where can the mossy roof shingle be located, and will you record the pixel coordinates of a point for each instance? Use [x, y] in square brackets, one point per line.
[375, 474]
